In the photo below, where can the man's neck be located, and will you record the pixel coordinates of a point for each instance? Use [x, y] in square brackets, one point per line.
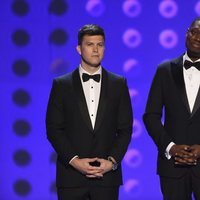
[90, 69]
[193, 56]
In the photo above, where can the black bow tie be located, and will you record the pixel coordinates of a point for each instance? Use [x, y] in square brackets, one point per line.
[86, 77]
[188, 64]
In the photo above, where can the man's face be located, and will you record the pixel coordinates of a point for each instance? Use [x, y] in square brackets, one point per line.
[193, 39]
[91, 50]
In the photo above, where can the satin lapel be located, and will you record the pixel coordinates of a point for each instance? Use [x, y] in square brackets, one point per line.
[81, 98]
[177, 73]
[102, 100]
[197, 103]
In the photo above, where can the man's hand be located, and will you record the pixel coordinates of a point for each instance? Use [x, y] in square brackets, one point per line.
[83, 165]
[183, 155]
[105, 166]
[195, 150]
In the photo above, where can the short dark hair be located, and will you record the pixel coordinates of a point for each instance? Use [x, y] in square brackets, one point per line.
[194, 21]
[90, 29]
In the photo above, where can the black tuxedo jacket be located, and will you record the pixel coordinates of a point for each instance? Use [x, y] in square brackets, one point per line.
[70, 131]
[168, 95]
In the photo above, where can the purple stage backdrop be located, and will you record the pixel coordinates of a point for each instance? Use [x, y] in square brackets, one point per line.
[38, 42]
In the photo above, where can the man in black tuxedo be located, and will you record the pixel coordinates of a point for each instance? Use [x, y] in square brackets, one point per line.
[175, 89]
[89, 124]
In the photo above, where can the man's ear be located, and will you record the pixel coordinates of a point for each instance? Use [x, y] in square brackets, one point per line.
[78, 48]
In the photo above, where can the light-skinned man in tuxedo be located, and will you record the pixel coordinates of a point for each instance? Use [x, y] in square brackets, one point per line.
[175, 91]
[89, 124]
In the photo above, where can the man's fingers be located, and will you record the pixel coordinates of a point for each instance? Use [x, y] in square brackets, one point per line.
[91, 159]
[184, 154]
[94, 170]
[185, 161]
[91, 176]
[96, 175]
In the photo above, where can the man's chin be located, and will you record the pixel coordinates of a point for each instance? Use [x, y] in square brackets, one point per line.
[95, 65]
[193, 54]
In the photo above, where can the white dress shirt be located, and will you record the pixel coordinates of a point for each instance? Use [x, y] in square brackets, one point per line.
[91, 91]
[192, 83]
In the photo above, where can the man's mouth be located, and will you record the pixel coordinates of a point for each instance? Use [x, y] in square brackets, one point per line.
[196, 43]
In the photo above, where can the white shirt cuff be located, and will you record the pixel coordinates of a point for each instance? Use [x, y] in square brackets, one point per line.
[167, 154]
[73, 159]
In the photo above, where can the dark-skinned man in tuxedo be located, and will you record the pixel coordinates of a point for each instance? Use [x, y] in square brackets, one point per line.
[176, 133]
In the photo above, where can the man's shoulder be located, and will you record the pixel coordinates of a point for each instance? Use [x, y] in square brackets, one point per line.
[64, 77]
[114, 76]
[63, 81]
[167, 63]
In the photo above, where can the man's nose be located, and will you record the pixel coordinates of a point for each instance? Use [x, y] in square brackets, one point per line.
[198, 37]
[95, 48]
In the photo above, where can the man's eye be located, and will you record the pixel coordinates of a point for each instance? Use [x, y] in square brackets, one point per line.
[195, 32]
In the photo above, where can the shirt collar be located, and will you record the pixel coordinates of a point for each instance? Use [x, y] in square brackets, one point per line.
[186, 57]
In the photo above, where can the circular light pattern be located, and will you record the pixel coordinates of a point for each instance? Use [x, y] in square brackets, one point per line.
[132, 38]
[58, 37]
[168, 9]
[21, 127]
[22, 157]
[137, 128]
[20, 7]
[59, 66]
[197, 8]
[132, 8]
[168, 39]
[58, 7]
[22, 187]
[20, 37]
[21, 67]
[95, 7]
[129, 64]
[132, 187]
[133, 93]
[21, 97]
[133, 158]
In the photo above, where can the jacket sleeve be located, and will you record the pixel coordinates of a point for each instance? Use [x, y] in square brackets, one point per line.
[153, 113]
[124, 125]
[56, 125]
